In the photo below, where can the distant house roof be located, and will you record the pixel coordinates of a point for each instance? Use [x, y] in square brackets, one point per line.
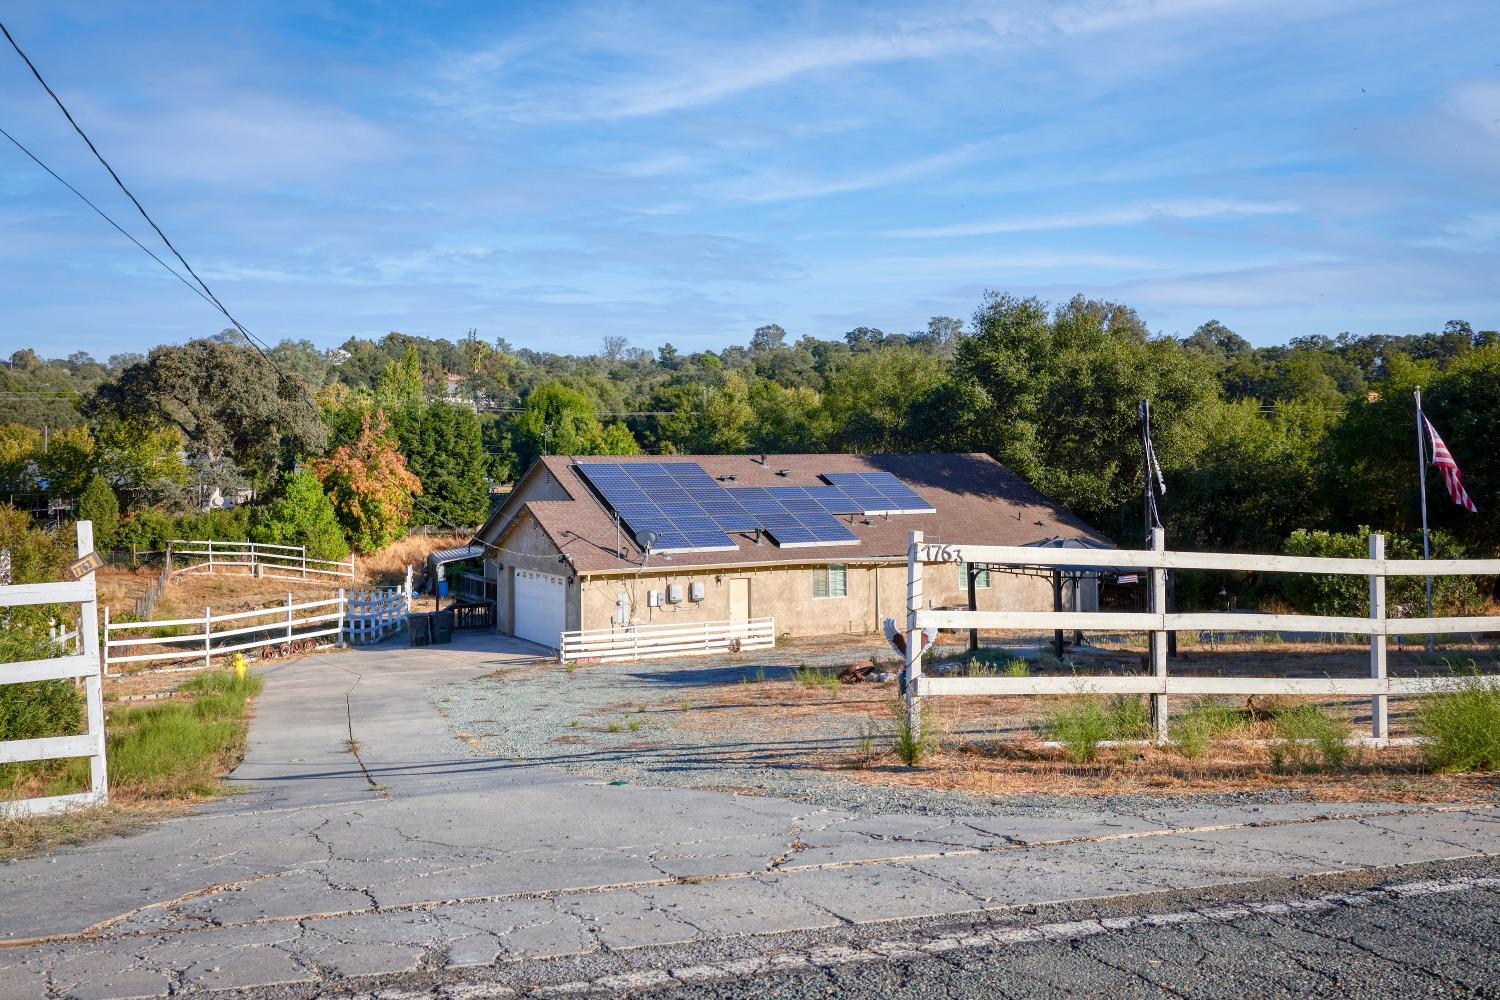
[976, 500]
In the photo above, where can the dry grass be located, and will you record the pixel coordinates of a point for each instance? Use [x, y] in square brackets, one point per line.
[992, 748]
[187, 596]
[388, 566]
[31, 835]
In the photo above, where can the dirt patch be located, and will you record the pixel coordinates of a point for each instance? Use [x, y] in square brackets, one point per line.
[226, 593]
[994, 747]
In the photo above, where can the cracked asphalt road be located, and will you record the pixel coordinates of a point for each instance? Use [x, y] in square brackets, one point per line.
[418, 859]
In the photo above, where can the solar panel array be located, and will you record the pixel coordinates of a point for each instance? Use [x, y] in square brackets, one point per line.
[879, 493]
[689, 511]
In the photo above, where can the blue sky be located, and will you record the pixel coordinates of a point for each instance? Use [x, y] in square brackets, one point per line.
[556, 172]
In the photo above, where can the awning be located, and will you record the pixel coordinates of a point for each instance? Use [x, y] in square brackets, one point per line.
[1079, 543]
[442, 557]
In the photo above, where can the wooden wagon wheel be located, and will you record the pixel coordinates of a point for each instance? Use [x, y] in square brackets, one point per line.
[286, 649]
[306, 645]
[270, 652]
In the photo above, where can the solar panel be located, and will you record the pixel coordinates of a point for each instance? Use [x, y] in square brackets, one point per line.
[880, 493]
[651, 496]
[690, 511]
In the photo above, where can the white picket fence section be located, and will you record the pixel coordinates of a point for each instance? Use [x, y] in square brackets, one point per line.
[83, 663]
[280, 630]
[283, 562]
[655, 642]
[373, 615]
[1158, 622]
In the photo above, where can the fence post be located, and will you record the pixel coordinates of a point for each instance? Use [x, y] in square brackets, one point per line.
[210, 554]
[1379, 707]
[343, 616]
[913, 634]
[1159, 709]
[288, 617]
[93, 684]
[103, 646]
[208, 626]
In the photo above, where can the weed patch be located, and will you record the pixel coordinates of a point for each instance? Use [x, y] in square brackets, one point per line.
[1462, 726]
[1309, 738]
[914, 744]
[1080, 727]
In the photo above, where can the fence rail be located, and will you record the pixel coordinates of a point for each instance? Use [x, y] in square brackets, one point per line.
[284, 562]
[1157, 622]
[292, 625]
[82, 664]
[655, 642]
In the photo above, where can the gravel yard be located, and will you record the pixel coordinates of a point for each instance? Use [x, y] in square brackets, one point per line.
[746, 723]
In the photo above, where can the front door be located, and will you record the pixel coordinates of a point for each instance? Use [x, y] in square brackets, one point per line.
[739, 600]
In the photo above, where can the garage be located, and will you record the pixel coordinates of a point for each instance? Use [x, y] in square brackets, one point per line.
[541, 607]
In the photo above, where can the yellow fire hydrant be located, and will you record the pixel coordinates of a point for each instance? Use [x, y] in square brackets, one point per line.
[238, 663]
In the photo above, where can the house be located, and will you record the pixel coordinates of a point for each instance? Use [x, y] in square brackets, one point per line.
[816, 541]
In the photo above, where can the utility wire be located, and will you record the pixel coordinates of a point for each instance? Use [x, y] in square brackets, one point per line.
[105, 216]
[208, 292]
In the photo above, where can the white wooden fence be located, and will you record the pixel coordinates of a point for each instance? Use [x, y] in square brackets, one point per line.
[655, 642]
[1158, 622]
[285, 562]
[84, 663]
[372, 615]
[279, 630]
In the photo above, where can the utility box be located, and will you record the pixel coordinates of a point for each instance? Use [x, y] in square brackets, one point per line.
[674, 593]
[695, 592]
[653, 598]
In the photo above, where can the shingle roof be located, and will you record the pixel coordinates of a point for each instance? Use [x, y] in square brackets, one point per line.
[978, 501]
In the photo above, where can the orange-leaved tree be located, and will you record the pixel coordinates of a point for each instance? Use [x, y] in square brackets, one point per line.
[370, 486]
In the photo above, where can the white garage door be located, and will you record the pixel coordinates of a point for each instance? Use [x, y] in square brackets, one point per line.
[541, 607]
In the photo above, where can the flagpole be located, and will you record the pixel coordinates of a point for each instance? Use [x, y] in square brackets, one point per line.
[1422, 474]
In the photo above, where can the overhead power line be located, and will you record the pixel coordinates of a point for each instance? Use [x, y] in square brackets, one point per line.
[105, 216]
[253, 341]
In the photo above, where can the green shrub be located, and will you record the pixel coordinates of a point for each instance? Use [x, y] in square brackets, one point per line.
[147, 530]
[40, 708]
[1080, 727]
[1195, 732]
[300, 513]
[1017, 667]
[99, 504]
[1344, 594]
[1308, 737]
[914, 744]
[1462, 726]
[1129, 717]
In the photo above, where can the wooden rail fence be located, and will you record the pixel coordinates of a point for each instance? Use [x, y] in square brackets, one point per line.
[279, 630]
[285, 562]
[1158, 683]
[655, 642]
[84, 664]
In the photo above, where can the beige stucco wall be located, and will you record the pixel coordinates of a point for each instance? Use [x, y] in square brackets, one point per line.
[526, 546]
[875, 592]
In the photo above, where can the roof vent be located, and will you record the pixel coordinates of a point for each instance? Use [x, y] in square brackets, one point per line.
[783, 473]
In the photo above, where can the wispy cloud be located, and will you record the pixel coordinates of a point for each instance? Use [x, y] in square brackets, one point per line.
[780, 185]
[1125, 215]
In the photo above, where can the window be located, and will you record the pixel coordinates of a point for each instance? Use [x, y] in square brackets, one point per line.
[831, 581]
[981, 577]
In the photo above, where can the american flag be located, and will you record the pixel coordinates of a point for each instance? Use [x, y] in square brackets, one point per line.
[1443, 460]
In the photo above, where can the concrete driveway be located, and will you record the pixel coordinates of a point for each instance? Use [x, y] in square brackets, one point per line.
[400, 852]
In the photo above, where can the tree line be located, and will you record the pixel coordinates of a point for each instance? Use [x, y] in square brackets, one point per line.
[350, 446]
